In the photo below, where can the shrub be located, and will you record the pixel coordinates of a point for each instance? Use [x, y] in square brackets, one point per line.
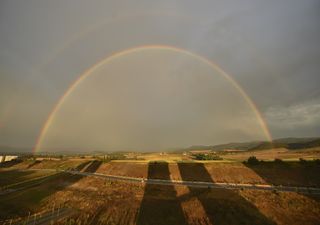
[278, 160]
[252, 160]
[202, 156]
[302, 161]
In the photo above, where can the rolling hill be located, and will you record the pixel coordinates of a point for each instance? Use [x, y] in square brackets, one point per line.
[289, 143]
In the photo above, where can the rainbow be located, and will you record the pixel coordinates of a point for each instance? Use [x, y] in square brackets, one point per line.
[119, 54]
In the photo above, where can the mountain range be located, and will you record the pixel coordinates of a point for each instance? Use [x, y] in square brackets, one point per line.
[289, 143]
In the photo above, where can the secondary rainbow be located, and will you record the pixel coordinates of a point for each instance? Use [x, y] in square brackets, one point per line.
[116, 55]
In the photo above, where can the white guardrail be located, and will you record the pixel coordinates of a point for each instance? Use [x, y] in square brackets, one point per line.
[202, 184]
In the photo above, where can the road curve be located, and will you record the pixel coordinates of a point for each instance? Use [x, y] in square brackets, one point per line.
[198, 184]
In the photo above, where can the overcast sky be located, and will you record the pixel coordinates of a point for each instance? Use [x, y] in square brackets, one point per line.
[167, 99]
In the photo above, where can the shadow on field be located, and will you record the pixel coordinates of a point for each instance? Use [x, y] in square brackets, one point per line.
[27, 200]
[12, 176]
[82, 166]
[303, 173]
[36, 162]
[93, 167]
[160, 204]
[222, 206]
[10, 163]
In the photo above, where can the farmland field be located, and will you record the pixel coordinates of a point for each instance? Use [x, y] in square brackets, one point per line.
[95, 200]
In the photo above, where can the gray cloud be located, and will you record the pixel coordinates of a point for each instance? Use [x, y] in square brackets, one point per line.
[270, 47]
[301, 119]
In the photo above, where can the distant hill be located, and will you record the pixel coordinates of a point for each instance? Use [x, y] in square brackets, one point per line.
[309, 144]
[221, 147]
[289, 143]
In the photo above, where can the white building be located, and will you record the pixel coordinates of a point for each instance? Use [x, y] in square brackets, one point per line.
[6, 158]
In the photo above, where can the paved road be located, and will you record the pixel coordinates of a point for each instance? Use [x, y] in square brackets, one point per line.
[197, 184]
[305, 190]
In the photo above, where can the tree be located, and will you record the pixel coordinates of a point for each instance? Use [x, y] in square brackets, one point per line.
[252, 160]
